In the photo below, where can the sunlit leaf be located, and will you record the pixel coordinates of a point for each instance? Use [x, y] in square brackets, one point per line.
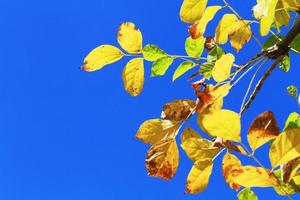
[285, 147]
[247, 176]
[162, 159]
[183, 68]
[192, 10]
[133, 76]
[200, 151]
[285, 64]
[247, 194]
[265, 12]
[290, 169]
[293, 121]
[240, 37]
[194, 47]
[222, 68]
[263, 129]
[152, 52]
[221, 143]
[198, 179]
[130, 38]
[101, 56]
[292, 90]
[161, 66]
[189, 133]
[198, 28]
[225, 124]
[215, 54]
[283, 189]
[154, 130]
[178, 110]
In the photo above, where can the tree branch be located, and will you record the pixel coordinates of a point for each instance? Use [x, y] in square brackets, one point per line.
[261, 82]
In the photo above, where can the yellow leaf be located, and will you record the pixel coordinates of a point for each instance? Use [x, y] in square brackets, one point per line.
[225, 124]
[200, 150]
[192, 10]
[285, 147]
[265, 12]
[133, 76]
[198, 179]
[282, 16]
[237, 175]
[221, 143]
[163, 159]
[228, 164]
[198, 28]
[178, 110]
[220, 92]
[154, 130]
[227, 25]
[130, 38]
[101, 56]
[240, 37]
[189, 133]
[222, 68]
[263, 129]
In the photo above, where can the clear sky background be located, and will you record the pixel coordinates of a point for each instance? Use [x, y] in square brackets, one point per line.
[66, 134]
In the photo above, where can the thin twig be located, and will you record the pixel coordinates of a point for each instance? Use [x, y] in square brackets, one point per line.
[261, 82]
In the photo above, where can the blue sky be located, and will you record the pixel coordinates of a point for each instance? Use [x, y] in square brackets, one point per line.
[68, 134]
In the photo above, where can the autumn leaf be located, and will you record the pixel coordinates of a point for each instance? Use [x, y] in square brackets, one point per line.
[263, 129]
[247, 194]
[228, 24]
[240, 37]
[285, 147]
[222, 68]
[221, 143]
[283, 188]
[189, 133]
[130, 38]
[133, 76]
[178, 110]
[101, 56]
[237, 175]
[198, 179]
[225, 124]
[290, 169]
[162, 159]
[265, 12]
[194, 47]
[154, 130]
[198, 28]
[200, 151]
[161, 65]
[192, 10]
[152, 52]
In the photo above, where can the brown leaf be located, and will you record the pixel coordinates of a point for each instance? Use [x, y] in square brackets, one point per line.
[162, 159]
[289, 169]
[221, 143]
[263, 129]
[178, 110]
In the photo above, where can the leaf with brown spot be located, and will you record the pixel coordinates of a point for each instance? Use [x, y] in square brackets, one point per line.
[178, 110]
[154, 130]
[198, 179]
[221, 143]
[237, 175]
[290, 169]
[130, 38]
[162, 159]
[263, 129]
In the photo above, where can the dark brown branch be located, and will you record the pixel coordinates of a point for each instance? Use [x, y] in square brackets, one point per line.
[283, 47]
[261, 82]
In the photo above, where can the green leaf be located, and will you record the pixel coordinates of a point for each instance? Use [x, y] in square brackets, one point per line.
[152, 52]
[296, 43]
[160, 66]
[272, 40]
[215, 54]
[183, 67]
[194, 48]
[247, 194]
[285, 64]
[292, 90]
[206, 70]
[293, 121]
